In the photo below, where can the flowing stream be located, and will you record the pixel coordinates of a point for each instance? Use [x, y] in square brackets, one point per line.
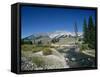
[78, 59]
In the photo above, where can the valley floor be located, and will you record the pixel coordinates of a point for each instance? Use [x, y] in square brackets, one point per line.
[63, 56]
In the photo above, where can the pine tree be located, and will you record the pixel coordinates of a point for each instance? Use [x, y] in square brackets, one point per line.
[91, 33]
[85, 31]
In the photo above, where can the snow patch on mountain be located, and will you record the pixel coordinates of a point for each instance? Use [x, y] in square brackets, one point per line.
[63, 33]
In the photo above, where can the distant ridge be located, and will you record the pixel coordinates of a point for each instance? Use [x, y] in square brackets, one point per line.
[56, 34]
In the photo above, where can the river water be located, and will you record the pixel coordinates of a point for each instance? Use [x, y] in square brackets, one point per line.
[78, 59]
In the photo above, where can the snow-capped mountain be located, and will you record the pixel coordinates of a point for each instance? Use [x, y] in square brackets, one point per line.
[58, 34]
[52, 35]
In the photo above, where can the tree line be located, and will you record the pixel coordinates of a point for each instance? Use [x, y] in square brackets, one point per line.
[89, 32]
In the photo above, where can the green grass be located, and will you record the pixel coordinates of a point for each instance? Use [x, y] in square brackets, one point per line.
[27, 47]
[35, 48]
[46, 50]
[38, 60]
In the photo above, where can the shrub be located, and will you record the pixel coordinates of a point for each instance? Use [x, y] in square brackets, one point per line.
[47, 51]
[84, 47]
[26, 42]
[41, 48]
[27, 47]
[37, 49]
[80, 39]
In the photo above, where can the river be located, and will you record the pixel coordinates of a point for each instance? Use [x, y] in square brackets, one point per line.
[78, 59]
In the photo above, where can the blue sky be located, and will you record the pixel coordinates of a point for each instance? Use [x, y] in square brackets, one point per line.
[40, 20]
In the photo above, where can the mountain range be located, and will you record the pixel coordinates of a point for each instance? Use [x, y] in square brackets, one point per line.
[52, 35]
